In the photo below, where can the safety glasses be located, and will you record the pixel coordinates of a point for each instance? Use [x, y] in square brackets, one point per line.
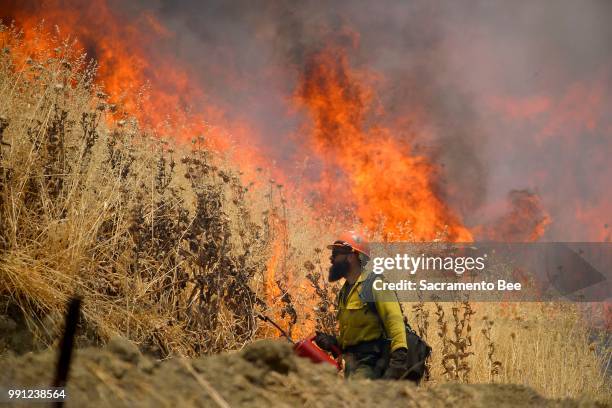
[337, 252]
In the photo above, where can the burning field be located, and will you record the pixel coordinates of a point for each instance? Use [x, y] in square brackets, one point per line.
[181, 166]
[430, 123]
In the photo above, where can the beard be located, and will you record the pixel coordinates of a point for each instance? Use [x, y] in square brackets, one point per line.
[339, 270]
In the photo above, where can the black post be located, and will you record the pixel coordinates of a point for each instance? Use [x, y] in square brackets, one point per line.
[66, 346]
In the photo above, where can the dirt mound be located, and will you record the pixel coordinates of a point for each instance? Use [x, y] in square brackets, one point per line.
[266, 373]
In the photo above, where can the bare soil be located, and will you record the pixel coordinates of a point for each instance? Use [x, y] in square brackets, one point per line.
[266, 373]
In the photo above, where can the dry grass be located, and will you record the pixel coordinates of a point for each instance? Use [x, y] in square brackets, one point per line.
[164, 242]
[163, 250]
[177, 255]
[545, 346]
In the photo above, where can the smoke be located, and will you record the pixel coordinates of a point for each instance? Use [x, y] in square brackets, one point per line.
[525, 220]
[501, 96]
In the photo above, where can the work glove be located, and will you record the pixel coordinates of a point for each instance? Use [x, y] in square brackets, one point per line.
[398, 364]
[328, 343]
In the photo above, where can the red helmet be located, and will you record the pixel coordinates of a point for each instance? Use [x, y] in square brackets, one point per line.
[352, 240]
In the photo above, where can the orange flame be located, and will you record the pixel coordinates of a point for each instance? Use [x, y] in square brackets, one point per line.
[149, 85]
[385, 180]
[273, 292]
[368, 169]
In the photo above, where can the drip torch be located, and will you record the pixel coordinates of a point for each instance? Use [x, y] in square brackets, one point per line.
[306, 347]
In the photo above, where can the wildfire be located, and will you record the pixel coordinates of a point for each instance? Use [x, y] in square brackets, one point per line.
[375, 176]
[272, 290]
[145, 82]
[386, 182]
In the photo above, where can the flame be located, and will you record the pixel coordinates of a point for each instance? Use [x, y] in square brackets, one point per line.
[367, 169]
[276, 268]
[381, 176]
[273, 292]
[145, 82]
[152, 87]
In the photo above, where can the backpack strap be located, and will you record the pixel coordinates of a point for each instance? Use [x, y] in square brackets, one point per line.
[367, 292]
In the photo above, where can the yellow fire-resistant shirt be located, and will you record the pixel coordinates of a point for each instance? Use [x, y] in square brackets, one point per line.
[358, 323]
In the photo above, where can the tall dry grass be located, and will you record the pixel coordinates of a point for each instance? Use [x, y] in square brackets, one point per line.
[165, 243]
[160, 243]
[548, 346]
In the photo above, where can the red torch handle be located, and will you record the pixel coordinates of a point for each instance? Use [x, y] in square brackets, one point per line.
[308, 349]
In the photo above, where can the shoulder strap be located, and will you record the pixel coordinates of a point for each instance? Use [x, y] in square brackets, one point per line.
[367, 293]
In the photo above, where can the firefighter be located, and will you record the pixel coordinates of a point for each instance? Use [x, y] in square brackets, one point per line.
[373, 343]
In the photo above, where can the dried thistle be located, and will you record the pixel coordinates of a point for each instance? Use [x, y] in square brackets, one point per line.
[494, 365]
[455, 347]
